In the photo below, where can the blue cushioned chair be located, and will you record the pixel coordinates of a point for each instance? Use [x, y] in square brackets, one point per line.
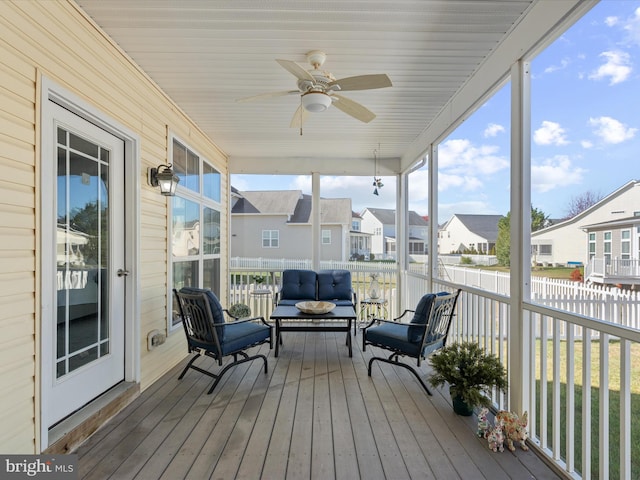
[208, 333]
[424, 334]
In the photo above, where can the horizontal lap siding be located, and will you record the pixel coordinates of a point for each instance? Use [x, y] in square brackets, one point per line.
[57, 40]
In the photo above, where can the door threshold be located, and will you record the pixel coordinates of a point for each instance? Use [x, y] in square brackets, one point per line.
[67, 435]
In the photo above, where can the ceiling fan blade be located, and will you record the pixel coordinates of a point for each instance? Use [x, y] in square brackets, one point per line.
[264, 96]
[357, 111]
[299, 117]
[362, 82]
[297, 70]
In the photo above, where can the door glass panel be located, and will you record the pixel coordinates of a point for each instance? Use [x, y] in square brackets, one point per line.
[82, 334]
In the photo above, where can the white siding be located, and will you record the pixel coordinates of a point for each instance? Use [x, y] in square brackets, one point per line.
[59, 41]
[569, 241]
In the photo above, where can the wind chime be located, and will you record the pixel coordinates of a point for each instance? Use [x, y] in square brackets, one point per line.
[377, 181]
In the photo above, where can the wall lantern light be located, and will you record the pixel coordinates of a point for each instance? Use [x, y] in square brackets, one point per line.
[162, 176]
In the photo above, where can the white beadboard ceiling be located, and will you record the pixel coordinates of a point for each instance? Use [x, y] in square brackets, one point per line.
[441, 55]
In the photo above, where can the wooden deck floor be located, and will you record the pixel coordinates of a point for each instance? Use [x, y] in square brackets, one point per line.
[315, 415]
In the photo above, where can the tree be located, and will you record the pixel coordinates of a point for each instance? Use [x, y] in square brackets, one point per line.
[503, 242]
[580, 203]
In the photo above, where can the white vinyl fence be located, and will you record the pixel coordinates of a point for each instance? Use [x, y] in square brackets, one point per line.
[255, 282]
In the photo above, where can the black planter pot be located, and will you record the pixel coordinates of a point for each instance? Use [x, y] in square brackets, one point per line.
[460, 406]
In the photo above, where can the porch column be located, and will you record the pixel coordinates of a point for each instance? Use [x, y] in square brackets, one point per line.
[520, 364]
[433, 216]
[402, 239]
[315, 220]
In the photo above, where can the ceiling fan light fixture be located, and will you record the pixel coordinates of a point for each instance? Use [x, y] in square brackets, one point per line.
[316, 101]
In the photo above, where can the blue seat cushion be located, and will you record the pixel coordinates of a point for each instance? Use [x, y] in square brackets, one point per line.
[239, 336]
[334, 286]
[214, 305]
[421, 315]
[393, 336]
[298, 285]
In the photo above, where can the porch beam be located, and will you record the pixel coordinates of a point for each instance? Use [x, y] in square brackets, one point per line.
[308, 165]
[520, 370]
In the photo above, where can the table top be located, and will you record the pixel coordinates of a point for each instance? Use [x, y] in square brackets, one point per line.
[374, 301]
[289, 312]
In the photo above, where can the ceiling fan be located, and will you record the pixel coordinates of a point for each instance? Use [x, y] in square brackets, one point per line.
[318, 90]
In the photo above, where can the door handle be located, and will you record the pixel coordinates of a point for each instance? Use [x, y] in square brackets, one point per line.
[123, 273]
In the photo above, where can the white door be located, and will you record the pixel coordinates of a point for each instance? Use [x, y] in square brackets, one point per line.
[83, 334]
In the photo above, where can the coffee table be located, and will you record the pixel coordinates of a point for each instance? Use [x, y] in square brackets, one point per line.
[298, 321]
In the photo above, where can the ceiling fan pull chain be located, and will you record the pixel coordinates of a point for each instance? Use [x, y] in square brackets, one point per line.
[301, 115]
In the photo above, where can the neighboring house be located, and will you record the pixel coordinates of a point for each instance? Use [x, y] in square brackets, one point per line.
[566, 243]
[359, 241]
[277, 224]
[469, 233]
[381, 223]
[614, 252]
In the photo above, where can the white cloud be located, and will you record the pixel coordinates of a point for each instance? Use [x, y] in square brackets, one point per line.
[611, 21]
[564, 63]
[460, 156]
[617, 67]
[493, 129]
[550, 133]
[632, 28]
[555, 172]
[460, 182]
[611, 130]
[586, 143]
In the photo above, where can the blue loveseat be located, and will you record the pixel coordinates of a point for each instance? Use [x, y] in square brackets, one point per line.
[307, 285]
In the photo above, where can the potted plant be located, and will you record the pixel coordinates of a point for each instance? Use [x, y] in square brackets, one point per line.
[470, 373]
[239, 310]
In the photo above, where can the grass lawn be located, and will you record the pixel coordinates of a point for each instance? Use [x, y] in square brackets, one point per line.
[613, 407]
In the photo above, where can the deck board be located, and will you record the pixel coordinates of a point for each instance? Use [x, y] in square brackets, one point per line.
[316, 414]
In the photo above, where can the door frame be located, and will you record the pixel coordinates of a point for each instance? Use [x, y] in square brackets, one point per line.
[51, 91]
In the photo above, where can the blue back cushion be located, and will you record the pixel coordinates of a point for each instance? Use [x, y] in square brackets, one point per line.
[298, 285]
[422, 315]
[214, 305]
[334, 285]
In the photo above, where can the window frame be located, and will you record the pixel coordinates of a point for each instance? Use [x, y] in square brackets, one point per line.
[203, 201]
[326, 237]
[270, 239]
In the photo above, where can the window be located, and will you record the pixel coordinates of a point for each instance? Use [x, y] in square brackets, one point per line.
[195, 224]
[355, 225]
[270, 238]
[607, 248]
[326, 237]
[592, 245]
[546, 249]
[377, 231]
[625, 246]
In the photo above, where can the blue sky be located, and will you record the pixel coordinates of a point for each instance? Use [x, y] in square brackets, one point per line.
[585, 130]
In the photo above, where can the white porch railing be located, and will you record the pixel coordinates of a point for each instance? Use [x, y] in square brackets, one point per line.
[255, 281]
[619, 269]
[587, 430]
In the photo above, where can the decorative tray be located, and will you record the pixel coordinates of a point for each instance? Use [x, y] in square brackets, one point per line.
[315, 308]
